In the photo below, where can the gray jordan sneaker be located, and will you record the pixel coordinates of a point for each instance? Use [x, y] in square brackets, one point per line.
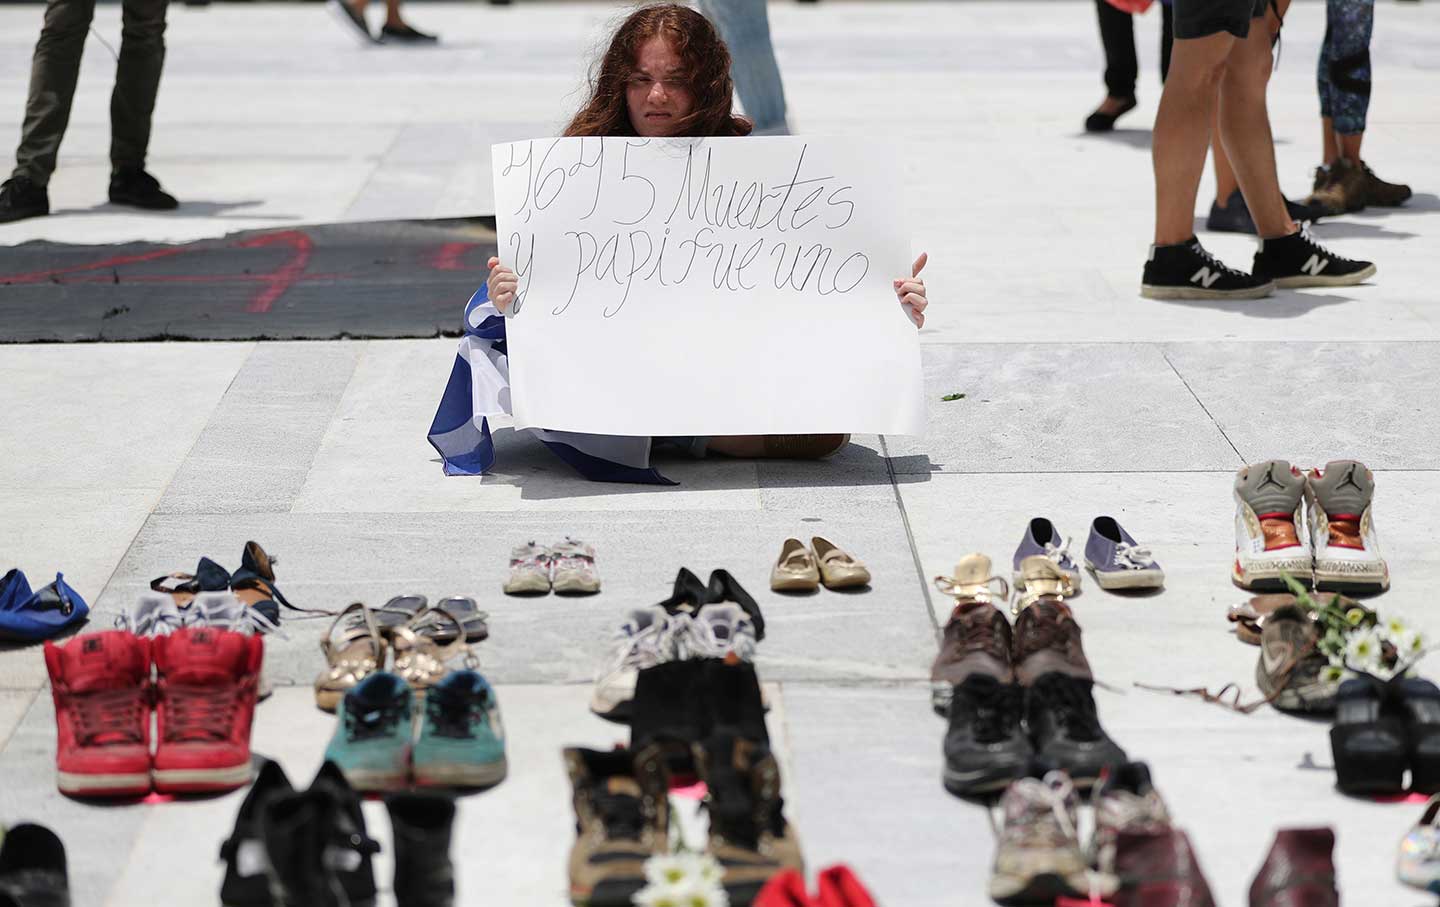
[1038, 858]
[1270, 536]
[1342, 532]
[572, 568]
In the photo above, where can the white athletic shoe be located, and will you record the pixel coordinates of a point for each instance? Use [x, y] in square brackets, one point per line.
[1270, 535]
[1342, 533]
[718, 631]
[647, 638]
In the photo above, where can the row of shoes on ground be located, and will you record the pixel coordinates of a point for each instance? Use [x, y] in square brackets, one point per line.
[423, 638]
[803, 568]
[718, 619]
[836, 886]
[310, 848]
[1136, 857]
[1383, 728]
[1112, 556]
[253, 584]
[28, 615]
[203, 694]
[33, 871]
[1315, 527]
[623, 817]
[453, 737]
[567, 568]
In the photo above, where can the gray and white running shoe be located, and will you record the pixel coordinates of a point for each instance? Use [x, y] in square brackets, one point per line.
[1038, 858]
[717, 631]
[529, 570]
[647, 638]
[155, 615]
[572, 568]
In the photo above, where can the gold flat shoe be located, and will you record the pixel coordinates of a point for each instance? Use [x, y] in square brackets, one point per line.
[974, 580]
[795, 570]
[838, 568]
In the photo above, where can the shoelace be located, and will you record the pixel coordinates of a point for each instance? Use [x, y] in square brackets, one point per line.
[1060, 554]
[704, 638]
[199, 712]
[1043, 817]
[156, 622]
[986, 591]
[454, 716]
[1136, 557]
[110, 716]
[379, 722]
[1215, 263]
[980, 635]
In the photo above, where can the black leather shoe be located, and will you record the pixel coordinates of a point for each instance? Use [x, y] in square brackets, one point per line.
[1420, 704]
[317, 851]
[246, 884]
[21, 198]
[1105, 122]
[985, 748]
[32, 868]
[725, 588]
[424, 875]
[140, 190]
[1060, 714]
[1367, 741]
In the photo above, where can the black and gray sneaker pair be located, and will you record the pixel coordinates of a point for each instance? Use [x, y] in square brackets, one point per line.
[1187, 271]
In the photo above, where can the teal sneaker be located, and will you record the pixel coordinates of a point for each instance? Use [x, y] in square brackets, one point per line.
[371, 745]
[462, 743]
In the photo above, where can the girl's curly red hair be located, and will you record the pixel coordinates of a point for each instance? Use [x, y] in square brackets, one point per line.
[707, 63]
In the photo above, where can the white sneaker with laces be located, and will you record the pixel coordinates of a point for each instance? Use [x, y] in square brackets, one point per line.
[647, 638]
[1342, 531]
[718, 631]
[1270, 535]
[572, 568]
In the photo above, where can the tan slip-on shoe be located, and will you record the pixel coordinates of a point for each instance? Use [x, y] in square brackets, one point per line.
[838, 568]
[974, 579]
[795, 570]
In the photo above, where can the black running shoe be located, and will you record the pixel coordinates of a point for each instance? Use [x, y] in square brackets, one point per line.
[21, 198]
[1235, 216]
[141, 190]
[985, 749]
[1298, 260]
[404, 34]
[1060, 712]
[1186, 271]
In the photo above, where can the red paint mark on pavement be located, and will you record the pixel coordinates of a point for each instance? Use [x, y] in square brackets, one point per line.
[45, 276]
[283, 277]
[451, 255]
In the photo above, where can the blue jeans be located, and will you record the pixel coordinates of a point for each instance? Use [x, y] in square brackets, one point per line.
[745, 29]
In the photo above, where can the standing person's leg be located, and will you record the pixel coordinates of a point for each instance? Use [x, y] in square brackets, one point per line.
[1182, 131]
[1351, 23]
[1117, 37]
[744, 26]
[1167, 38]
[1245, 131]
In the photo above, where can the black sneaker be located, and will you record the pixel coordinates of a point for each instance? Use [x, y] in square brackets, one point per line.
[246, 884]
[1298, 260]
[404, 34]
[21, 198]
[141, 190]
[1060, 713]
[1186, 271]
[985, 749]
[32, 867]
[1235, 216]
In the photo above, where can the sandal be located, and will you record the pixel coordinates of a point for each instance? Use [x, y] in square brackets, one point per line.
[469, 615]
[973, 580]
[420, 657]
[254, 582]
[398, 612]
[1041, 577]
[358, 652]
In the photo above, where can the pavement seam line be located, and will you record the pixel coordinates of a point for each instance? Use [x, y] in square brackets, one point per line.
[909, 534]
[24, 713]
[1165, 354]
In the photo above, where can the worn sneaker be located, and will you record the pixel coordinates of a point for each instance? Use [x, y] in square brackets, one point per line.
[462, 742]
[722, 631]
[976, 640]
[1418, 863]
[1117, 561]
[1380, 193]
[1234, 215]
[139, 189]
[154, 615]
[1038, 859]
[572, 568]
[1060, 713]
[1047, 641]
[622, 819]
[1298, 260]
[101, 686]
[205, 702]
[529, 569]
[748, 836]
[645, 639]
[1186, 271]
[21, 198]
[246, 883]
[1342, 531]
[1042, 540]
[1125, 800]
[317, 848]
[1339, 188]
[372, 740]
[1270, 536]
[32, 868]
[1291, 671]
[985, 747]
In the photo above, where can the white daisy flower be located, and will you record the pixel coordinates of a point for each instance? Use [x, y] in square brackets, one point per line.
[664, 870]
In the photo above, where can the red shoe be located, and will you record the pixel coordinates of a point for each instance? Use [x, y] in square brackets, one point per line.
[840, 888]
[785, 889]
[101, 686]
[206, 700]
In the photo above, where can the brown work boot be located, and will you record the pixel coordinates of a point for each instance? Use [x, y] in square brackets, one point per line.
[1157, 868]
[1047, 641]
[1291, 668]
[749, 836]
[976, 641]
[1298, 871]
[1380, 193]
[622, 819]
[1338, 188]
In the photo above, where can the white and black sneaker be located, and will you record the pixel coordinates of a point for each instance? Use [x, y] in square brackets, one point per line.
[1186, 271]
[1298, 260]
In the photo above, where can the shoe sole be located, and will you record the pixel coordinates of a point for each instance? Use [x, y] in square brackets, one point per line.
[528, 586]
[1045, 888]
[328, 700]
[77, 784]
[981, 782]
[458, 775]
[940, 696]
[1361, 579]
[794, 585]
[377, 781]
[576, 588]
[200, 780]
[1267, 578]
[619, 712]
[23, 215]
[1149, 578]
[1320, 280]
[1152, 291]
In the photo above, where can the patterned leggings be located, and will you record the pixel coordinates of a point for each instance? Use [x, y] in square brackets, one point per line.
[1344, 70]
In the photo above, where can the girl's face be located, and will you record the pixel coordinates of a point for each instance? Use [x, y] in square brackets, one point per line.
[658, 93]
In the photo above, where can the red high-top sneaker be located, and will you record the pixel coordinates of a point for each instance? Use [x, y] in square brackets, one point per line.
[205, 702]
[101, 686]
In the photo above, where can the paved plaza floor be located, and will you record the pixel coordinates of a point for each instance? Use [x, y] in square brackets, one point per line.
[121, 462]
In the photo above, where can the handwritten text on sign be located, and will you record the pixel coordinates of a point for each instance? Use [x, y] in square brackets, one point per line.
[662, 276]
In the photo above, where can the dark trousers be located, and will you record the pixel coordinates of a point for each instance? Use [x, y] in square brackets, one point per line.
[56, 69]
[1117, 33]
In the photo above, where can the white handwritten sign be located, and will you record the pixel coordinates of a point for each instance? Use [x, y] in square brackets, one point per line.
[707, 286]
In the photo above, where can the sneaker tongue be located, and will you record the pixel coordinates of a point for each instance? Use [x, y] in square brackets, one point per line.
[104, 661]
[201, 656]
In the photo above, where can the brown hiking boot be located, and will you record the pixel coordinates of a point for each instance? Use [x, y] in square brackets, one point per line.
[1338, 188]
[976, 641]
[621, 820]
[1380, 193]
[749, 836]
[1047, 641]
[1299, 871]
[1291, 669]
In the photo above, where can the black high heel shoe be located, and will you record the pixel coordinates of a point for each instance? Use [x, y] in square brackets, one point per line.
[1105, 122]
[1368, 741]
[1420, 705]
[725, 588]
